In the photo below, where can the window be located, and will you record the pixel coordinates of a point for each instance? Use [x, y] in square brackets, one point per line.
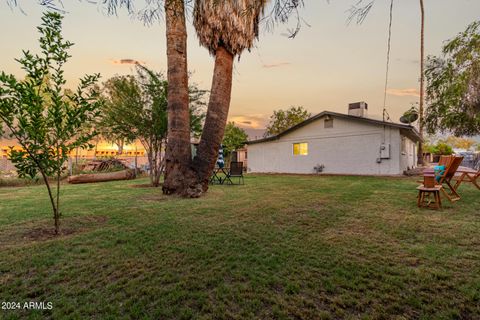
[328, 123]
[300, 149]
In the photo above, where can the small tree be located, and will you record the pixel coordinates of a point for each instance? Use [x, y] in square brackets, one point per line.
[282, 120]
[234, 139]
[47, 122]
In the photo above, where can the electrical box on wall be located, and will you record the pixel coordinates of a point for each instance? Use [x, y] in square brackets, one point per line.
[385, 151]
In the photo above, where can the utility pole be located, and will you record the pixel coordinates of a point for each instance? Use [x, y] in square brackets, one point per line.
[422, 78]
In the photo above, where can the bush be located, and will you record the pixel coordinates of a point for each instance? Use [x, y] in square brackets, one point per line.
[440, 148]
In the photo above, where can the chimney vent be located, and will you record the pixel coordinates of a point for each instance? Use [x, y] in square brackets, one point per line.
[358, 109]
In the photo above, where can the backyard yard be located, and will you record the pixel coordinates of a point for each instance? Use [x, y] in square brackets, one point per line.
[279, 247]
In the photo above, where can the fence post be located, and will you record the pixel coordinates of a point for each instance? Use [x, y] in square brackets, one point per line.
[136, 155]
[70, 166]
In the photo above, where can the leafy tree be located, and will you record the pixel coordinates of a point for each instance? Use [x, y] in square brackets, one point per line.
[136, 108]
[47, 122]
[233, 139]
[459, 143]
[453, 85]
[282, 120]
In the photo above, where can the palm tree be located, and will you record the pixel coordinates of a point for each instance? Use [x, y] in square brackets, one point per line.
[178, 153]
[226, 29]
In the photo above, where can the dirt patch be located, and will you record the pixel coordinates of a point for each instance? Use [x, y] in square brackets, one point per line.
[37, 231]
[39, 234]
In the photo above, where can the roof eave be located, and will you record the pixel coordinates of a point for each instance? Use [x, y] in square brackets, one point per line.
[414, 136]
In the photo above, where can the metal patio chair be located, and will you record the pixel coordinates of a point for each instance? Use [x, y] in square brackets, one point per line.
[236, 172]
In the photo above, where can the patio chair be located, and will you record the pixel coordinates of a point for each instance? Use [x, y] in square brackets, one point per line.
[471, 175]
[235, 171]
[446, 179]
[445, 160]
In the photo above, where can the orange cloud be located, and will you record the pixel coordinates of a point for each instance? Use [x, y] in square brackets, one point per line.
[127, 61]
[255, 121]
[276, 64]
[410, 92]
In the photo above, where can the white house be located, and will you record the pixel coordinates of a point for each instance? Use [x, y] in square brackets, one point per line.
[338, 143]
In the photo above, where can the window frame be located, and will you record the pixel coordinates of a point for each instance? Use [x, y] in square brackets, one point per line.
[299, 149]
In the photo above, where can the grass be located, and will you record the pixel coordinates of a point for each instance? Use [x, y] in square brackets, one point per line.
[280, 247]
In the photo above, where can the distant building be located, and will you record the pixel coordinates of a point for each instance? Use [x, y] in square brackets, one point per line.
[338, 143]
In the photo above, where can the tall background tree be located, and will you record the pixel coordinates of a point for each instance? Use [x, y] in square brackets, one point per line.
[453, 85]
[233, 139]
[282, 120]
[46, 121]
[459, 142]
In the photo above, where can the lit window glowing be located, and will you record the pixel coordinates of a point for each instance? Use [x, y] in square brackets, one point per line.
[300, 149]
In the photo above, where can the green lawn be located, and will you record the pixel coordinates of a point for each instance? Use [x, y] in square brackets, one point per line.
[280, 247]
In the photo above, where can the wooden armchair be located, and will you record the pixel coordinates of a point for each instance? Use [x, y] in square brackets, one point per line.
[446, 179]
[445, 160]
[469, 175]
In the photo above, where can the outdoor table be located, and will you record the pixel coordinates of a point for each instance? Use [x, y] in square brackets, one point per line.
[424, 200]
[216, 175]
[467, 175]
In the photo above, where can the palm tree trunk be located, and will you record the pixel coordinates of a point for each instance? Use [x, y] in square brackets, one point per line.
[422, 78]
[216, 118]
[178, 153]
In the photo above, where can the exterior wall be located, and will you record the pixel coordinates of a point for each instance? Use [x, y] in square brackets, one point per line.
[350, 147]
[408, 154]
[242, 156]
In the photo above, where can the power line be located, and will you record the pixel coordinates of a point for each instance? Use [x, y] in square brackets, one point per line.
[388, 60]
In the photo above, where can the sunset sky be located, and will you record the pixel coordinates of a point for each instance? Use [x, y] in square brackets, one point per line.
[328, 64]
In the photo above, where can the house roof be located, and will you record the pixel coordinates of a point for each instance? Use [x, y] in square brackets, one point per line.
[405, 129]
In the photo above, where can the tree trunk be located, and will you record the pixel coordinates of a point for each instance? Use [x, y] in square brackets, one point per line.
[178, 153]
[52, 202]
[216, 118]
[120, 147]
[422, 78]
[156, 163]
